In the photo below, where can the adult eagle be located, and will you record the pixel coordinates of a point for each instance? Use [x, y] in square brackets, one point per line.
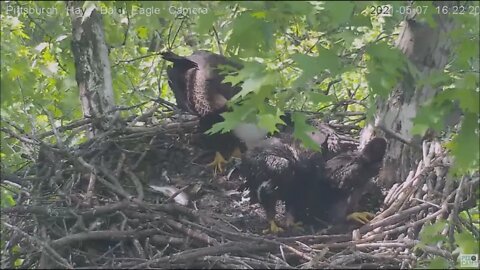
[198, 87]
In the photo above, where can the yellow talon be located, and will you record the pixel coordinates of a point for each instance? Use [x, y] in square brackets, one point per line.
[362, 217]
[274, 228]
[217, 163]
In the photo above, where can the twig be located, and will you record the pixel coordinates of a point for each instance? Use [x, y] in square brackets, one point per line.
[220, 51]
[136, 58]
[193, 254]
[175, 194]
[398, 136]
[192, 233]
[454, 213]
[59, 259]
[298, 253]
[18, 137]
[394, 218]
[60, 143]
[72, 125]
[138, 185]
[410, 225]
[90, 188]
[98, 235]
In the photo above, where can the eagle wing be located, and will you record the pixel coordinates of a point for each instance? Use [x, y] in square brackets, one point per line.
[332, 143]
[197, 81]
[346, 177]
[351, 170]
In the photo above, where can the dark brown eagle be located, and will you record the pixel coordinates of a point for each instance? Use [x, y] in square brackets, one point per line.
[283, 169]
[337, 193]
[310, 183]
[279, 170]
[198, 87]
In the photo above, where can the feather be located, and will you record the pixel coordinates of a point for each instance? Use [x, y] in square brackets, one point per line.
[181, 197]
[352, 169]
[250, 133]
[197, 81]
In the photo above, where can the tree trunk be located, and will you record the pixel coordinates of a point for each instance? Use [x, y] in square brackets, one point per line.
[92, 66]
[428, 49]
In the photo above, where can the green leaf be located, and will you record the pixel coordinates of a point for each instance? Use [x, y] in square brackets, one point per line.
[329, 59]
[231, 118]
[254, 84]
[296, 7]
[18, 263]
[466, 51]
[438, 263]
[308, 63]
[142, 32]
[340, 12]
[258, 41]
[317, 97]
[466, 242]
[310, 66]
[270, 122]
[465, 147]
[205, 22]
[254, 79]
[315, 65]
[469, 95]
[435, 79]
[301, 129]
[431, 116]
[371, 108]
[250, 69]
[431, 234]
[360, 20]
[347, 36]
[468, 98]
[7, 199]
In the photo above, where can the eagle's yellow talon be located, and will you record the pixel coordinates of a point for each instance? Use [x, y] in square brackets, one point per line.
[361, 217]
[274, 228]
[217, 163]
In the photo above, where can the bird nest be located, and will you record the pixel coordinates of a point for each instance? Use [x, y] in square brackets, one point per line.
[94, 206]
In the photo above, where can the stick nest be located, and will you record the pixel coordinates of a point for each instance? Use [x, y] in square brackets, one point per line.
[91, 206]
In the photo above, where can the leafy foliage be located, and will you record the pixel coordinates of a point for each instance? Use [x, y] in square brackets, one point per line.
[460, 91]
[292, 52]
[433, 235]
[305, 56]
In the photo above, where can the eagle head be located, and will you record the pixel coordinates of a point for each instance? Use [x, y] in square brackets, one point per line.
[375, 150]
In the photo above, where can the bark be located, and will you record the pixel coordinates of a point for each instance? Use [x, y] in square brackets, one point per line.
[428, 49]
[93, 73]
